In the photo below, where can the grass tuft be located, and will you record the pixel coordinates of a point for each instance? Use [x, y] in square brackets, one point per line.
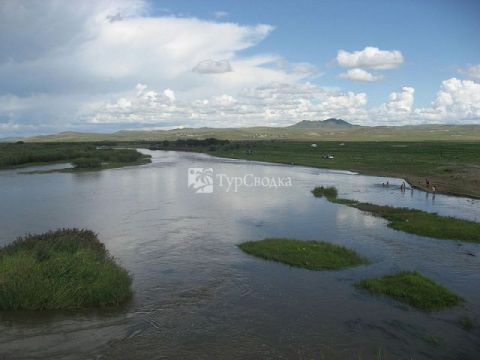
[412, 221]
[66, 269]
[314, 255]
[328, 192]
[413, 289]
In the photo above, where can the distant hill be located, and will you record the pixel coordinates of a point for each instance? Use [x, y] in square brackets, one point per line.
[328, 123]
[342, 132]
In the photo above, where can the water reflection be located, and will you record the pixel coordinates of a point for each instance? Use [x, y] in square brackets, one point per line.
[198, 296]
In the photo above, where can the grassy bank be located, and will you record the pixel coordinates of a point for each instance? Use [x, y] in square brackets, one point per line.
[315, 255]
[452, 167]
[413, 289]
[66, 269]
[411, 220]
[82, 156]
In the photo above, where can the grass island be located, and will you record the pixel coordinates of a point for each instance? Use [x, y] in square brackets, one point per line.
[313, 255]
[67, 269]
[413, 289]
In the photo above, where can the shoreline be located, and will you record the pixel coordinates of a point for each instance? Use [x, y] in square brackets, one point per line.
[405, 178]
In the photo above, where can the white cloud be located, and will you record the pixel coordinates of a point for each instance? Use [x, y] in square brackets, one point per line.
[170, 94]
[284, 103]
[360, 75]
[401, 101]
[370, 57]
[270, 104]
[212, 67]
[458, 99]
[97, 51]
[472, 71]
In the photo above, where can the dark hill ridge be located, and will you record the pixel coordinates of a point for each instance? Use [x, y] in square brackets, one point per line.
[315, 124]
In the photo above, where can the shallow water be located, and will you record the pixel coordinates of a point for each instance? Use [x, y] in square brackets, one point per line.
[198, 296]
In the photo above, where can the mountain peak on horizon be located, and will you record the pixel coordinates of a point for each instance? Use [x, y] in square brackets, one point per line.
[330, 122]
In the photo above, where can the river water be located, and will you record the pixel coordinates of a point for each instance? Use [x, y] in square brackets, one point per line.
[198, 296]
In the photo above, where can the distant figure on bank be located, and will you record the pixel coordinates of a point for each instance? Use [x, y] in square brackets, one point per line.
[434, 189]
[427, 183]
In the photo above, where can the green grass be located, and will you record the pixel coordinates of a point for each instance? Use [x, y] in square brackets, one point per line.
[83, 156]
[314, 255]
[66, 269]
[328, 192]
[412, 221]
[413, 289]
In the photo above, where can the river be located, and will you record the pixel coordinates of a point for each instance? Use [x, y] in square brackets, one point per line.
[198, 296]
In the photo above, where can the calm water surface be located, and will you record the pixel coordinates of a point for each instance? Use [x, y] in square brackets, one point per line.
[198, 296]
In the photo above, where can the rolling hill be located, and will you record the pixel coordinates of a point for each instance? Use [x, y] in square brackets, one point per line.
[330, 129]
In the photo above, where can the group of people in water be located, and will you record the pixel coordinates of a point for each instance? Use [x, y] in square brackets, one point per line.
[403, 186]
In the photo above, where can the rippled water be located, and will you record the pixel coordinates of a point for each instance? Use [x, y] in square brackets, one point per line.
[198, 296]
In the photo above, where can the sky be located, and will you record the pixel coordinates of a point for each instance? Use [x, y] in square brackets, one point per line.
[107, 65]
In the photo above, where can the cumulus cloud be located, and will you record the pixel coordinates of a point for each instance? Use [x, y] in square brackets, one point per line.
[370, 57]
[360, 75]
[457, 99]
[212, 67]
[401, 101]
[399, 106]
[284, 103]
[272, 104]
[472, 71]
